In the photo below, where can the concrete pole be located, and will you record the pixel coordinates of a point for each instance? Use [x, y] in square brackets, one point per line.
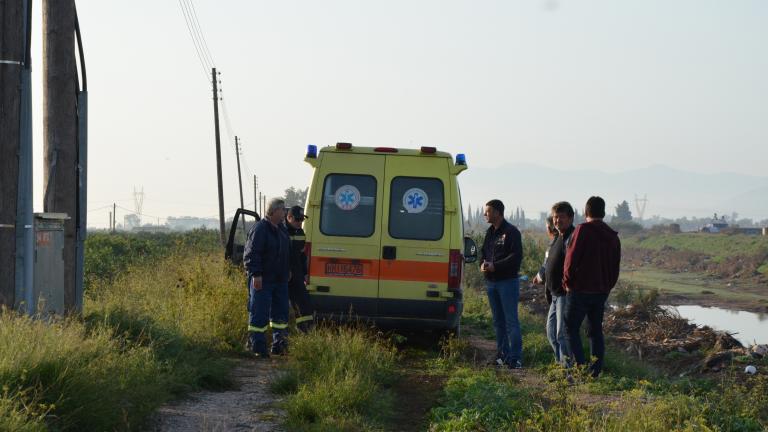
[60, 127]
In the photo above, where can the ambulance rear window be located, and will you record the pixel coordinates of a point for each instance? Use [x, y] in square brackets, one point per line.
[416, 208]
[349, 205]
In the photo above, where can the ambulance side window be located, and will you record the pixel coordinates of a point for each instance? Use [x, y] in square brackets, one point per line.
[416, 208]
[349, 205]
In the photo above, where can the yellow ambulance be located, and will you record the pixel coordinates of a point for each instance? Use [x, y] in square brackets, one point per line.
[385, 236]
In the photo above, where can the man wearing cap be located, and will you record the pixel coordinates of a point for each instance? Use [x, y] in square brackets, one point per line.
[266, 262]
[297, 288]
[502, 255]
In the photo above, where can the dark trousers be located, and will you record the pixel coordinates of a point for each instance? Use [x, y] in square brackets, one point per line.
[301, 304]
[591, 306]
[268, 308]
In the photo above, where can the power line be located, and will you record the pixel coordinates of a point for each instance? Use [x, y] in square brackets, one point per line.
[191, 6]
[200, 56]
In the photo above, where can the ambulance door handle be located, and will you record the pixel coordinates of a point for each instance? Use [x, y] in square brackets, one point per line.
[389, 252]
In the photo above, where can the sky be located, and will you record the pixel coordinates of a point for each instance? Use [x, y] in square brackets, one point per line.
[588, 85]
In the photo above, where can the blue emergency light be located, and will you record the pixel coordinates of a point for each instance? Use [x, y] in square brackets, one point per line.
[311, 151]
[461, 159]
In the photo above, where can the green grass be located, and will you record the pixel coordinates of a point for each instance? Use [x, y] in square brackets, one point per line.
[335, 379]
[689, 284]
[717, 246]
[479, 400]
[154, 332]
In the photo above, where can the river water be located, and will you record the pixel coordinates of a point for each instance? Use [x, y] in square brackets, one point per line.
[749, 327]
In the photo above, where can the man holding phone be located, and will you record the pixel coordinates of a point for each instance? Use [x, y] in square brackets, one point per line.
[501, 257]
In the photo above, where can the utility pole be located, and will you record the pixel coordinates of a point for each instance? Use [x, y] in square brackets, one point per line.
[60, 127]
[256, 194]
[12, 36]
[218, 153]
[110, 222]
[114, 217]
[240, 180]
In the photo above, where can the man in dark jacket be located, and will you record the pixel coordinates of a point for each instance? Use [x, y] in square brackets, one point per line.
[297, 289]
[266, 262]
[562, 214]
[591, 271]
[502, 255]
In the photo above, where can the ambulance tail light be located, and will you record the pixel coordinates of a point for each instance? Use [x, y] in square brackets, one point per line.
[455, 264]
[428, 150]
[308, 253]
[343, 146]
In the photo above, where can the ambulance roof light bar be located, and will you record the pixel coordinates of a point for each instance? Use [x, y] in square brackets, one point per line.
[343, 146]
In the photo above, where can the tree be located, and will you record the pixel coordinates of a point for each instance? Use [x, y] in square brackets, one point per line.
[622, 212]
[295, 196]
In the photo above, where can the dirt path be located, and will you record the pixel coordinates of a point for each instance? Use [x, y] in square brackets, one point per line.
[251, 407]
[483, 351]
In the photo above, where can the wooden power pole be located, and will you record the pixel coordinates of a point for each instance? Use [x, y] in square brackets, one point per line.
[60, 126]
[12, 19]
[218, 153]
[240, 180]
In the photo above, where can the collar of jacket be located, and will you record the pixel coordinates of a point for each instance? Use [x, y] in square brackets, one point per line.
[492, 229]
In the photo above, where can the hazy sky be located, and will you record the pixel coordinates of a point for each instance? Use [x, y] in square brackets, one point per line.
[608, 85]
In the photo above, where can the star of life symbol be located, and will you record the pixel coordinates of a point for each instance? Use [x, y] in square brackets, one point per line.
[347, 197]
[415, 200]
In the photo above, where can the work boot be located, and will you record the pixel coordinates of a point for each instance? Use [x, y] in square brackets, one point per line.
[258, 348]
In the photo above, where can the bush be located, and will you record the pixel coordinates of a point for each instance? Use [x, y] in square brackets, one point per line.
[335, 379]
[159, 330]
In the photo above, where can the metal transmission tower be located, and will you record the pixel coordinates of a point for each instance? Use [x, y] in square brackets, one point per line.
[640, 204]
[138, 202]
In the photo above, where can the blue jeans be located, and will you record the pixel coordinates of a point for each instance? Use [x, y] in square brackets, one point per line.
[591, 306]
[268, 307]
[503, 297]
[556, 332]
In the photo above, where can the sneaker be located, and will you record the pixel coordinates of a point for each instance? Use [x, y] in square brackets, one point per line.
[517, 364]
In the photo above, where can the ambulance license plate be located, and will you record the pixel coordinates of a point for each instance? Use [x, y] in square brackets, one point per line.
[343, 269]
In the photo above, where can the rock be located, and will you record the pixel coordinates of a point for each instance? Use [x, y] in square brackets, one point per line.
[759, 351]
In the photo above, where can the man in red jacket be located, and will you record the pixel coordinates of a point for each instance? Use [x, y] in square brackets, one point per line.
[591, 271]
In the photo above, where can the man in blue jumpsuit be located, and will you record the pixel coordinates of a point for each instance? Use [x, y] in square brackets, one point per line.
[266, 262]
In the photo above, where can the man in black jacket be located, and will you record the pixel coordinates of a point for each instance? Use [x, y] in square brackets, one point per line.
[266, 261]
[297, 288]
[562, 214]
[502, 255]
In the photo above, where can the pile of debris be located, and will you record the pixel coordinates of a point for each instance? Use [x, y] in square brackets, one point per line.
[664, 337]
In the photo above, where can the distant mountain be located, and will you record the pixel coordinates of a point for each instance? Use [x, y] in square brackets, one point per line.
[671, 192]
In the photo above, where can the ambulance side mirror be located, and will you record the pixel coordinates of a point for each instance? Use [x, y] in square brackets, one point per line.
[470, 250]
